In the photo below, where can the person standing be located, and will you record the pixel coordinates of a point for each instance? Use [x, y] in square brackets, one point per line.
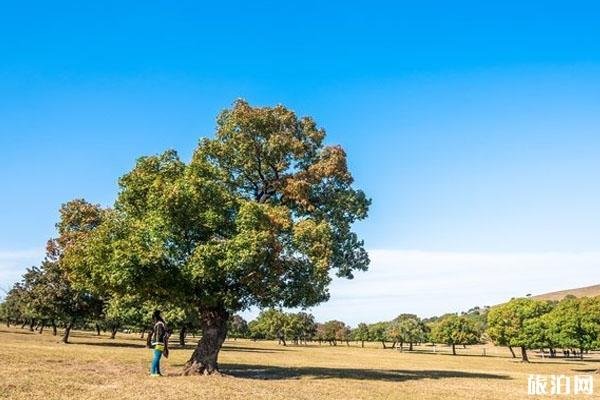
[159, 343]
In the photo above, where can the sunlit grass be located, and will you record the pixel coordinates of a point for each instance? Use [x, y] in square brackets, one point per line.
[37, 366]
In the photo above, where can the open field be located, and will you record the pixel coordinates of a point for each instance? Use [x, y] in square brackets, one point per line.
[37, 366]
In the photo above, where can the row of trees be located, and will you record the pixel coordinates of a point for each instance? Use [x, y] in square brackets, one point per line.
[573, 324]
[43, 298]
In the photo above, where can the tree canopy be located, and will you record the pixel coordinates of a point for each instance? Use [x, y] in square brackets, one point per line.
[260, 216]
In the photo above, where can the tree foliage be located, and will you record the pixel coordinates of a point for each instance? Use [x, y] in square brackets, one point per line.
[259, 217]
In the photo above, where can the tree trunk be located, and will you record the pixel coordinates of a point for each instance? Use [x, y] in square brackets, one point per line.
[113, 331]
[362, 343]
[581, 353]
[182, 334]
[24, 323]
[54, 330]
[97, 329]
[31, 325]
[65, 338]
[453, 349]
[213, 322]
[512, 352]
[42, 325]
[524, 357]
[383, 343]
[142, 335]
[410, 346]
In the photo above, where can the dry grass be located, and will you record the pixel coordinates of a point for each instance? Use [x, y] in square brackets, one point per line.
[37, 366]
[588, 291]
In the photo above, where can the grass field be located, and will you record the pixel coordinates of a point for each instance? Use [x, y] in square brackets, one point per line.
[37, 366]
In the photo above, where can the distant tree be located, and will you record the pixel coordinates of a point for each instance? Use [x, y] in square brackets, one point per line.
[507, 323]
[361, 333]
[238, 327]
[455, 330]
[336, 331]
[270, 324]
[125, 311]
[378, 332]
[479, 317]
[575, 323]
[72, 303]
[406, 328]
[15, 305]
[300, 327]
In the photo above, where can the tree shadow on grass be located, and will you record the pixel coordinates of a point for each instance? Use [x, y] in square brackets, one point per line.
[393, 375]
[251, 349]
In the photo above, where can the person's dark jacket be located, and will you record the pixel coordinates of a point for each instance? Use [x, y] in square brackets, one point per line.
[158, 333]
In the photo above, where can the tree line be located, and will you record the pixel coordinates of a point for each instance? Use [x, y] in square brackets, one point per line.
[44, 298]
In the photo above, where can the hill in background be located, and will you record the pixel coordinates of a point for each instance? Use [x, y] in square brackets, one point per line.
[588, 291]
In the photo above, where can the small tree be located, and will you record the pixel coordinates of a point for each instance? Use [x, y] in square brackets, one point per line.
[271, 324]
[453, 329]
[378, 332]
[407, 328]
[507, 322]
[361, 333]
[238, 327]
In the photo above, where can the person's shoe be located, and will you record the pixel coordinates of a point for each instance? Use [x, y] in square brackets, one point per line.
[155, 375]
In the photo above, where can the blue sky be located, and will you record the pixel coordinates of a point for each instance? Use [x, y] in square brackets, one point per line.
[474, 127]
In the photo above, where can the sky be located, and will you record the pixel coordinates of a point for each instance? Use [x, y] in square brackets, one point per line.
[474, 127]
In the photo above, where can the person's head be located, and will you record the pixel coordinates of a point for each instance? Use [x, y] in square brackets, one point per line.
[156, 316]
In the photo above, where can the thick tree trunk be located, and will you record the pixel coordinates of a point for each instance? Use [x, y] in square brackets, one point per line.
[512, 352]
[410, 346]
[182, 335]
[54, 330]
[524, 357]
[113, 332]
[213, 322]
[65, 338]
[453, 349]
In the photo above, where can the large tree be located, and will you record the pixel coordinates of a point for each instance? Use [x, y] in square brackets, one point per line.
[261, 216]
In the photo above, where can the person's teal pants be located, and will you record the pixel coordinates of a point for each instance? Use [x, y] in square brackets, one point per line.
[155, 367]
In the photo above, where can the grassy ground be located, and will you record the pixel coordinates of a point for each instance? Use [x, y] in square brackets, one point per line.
[37, 366]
